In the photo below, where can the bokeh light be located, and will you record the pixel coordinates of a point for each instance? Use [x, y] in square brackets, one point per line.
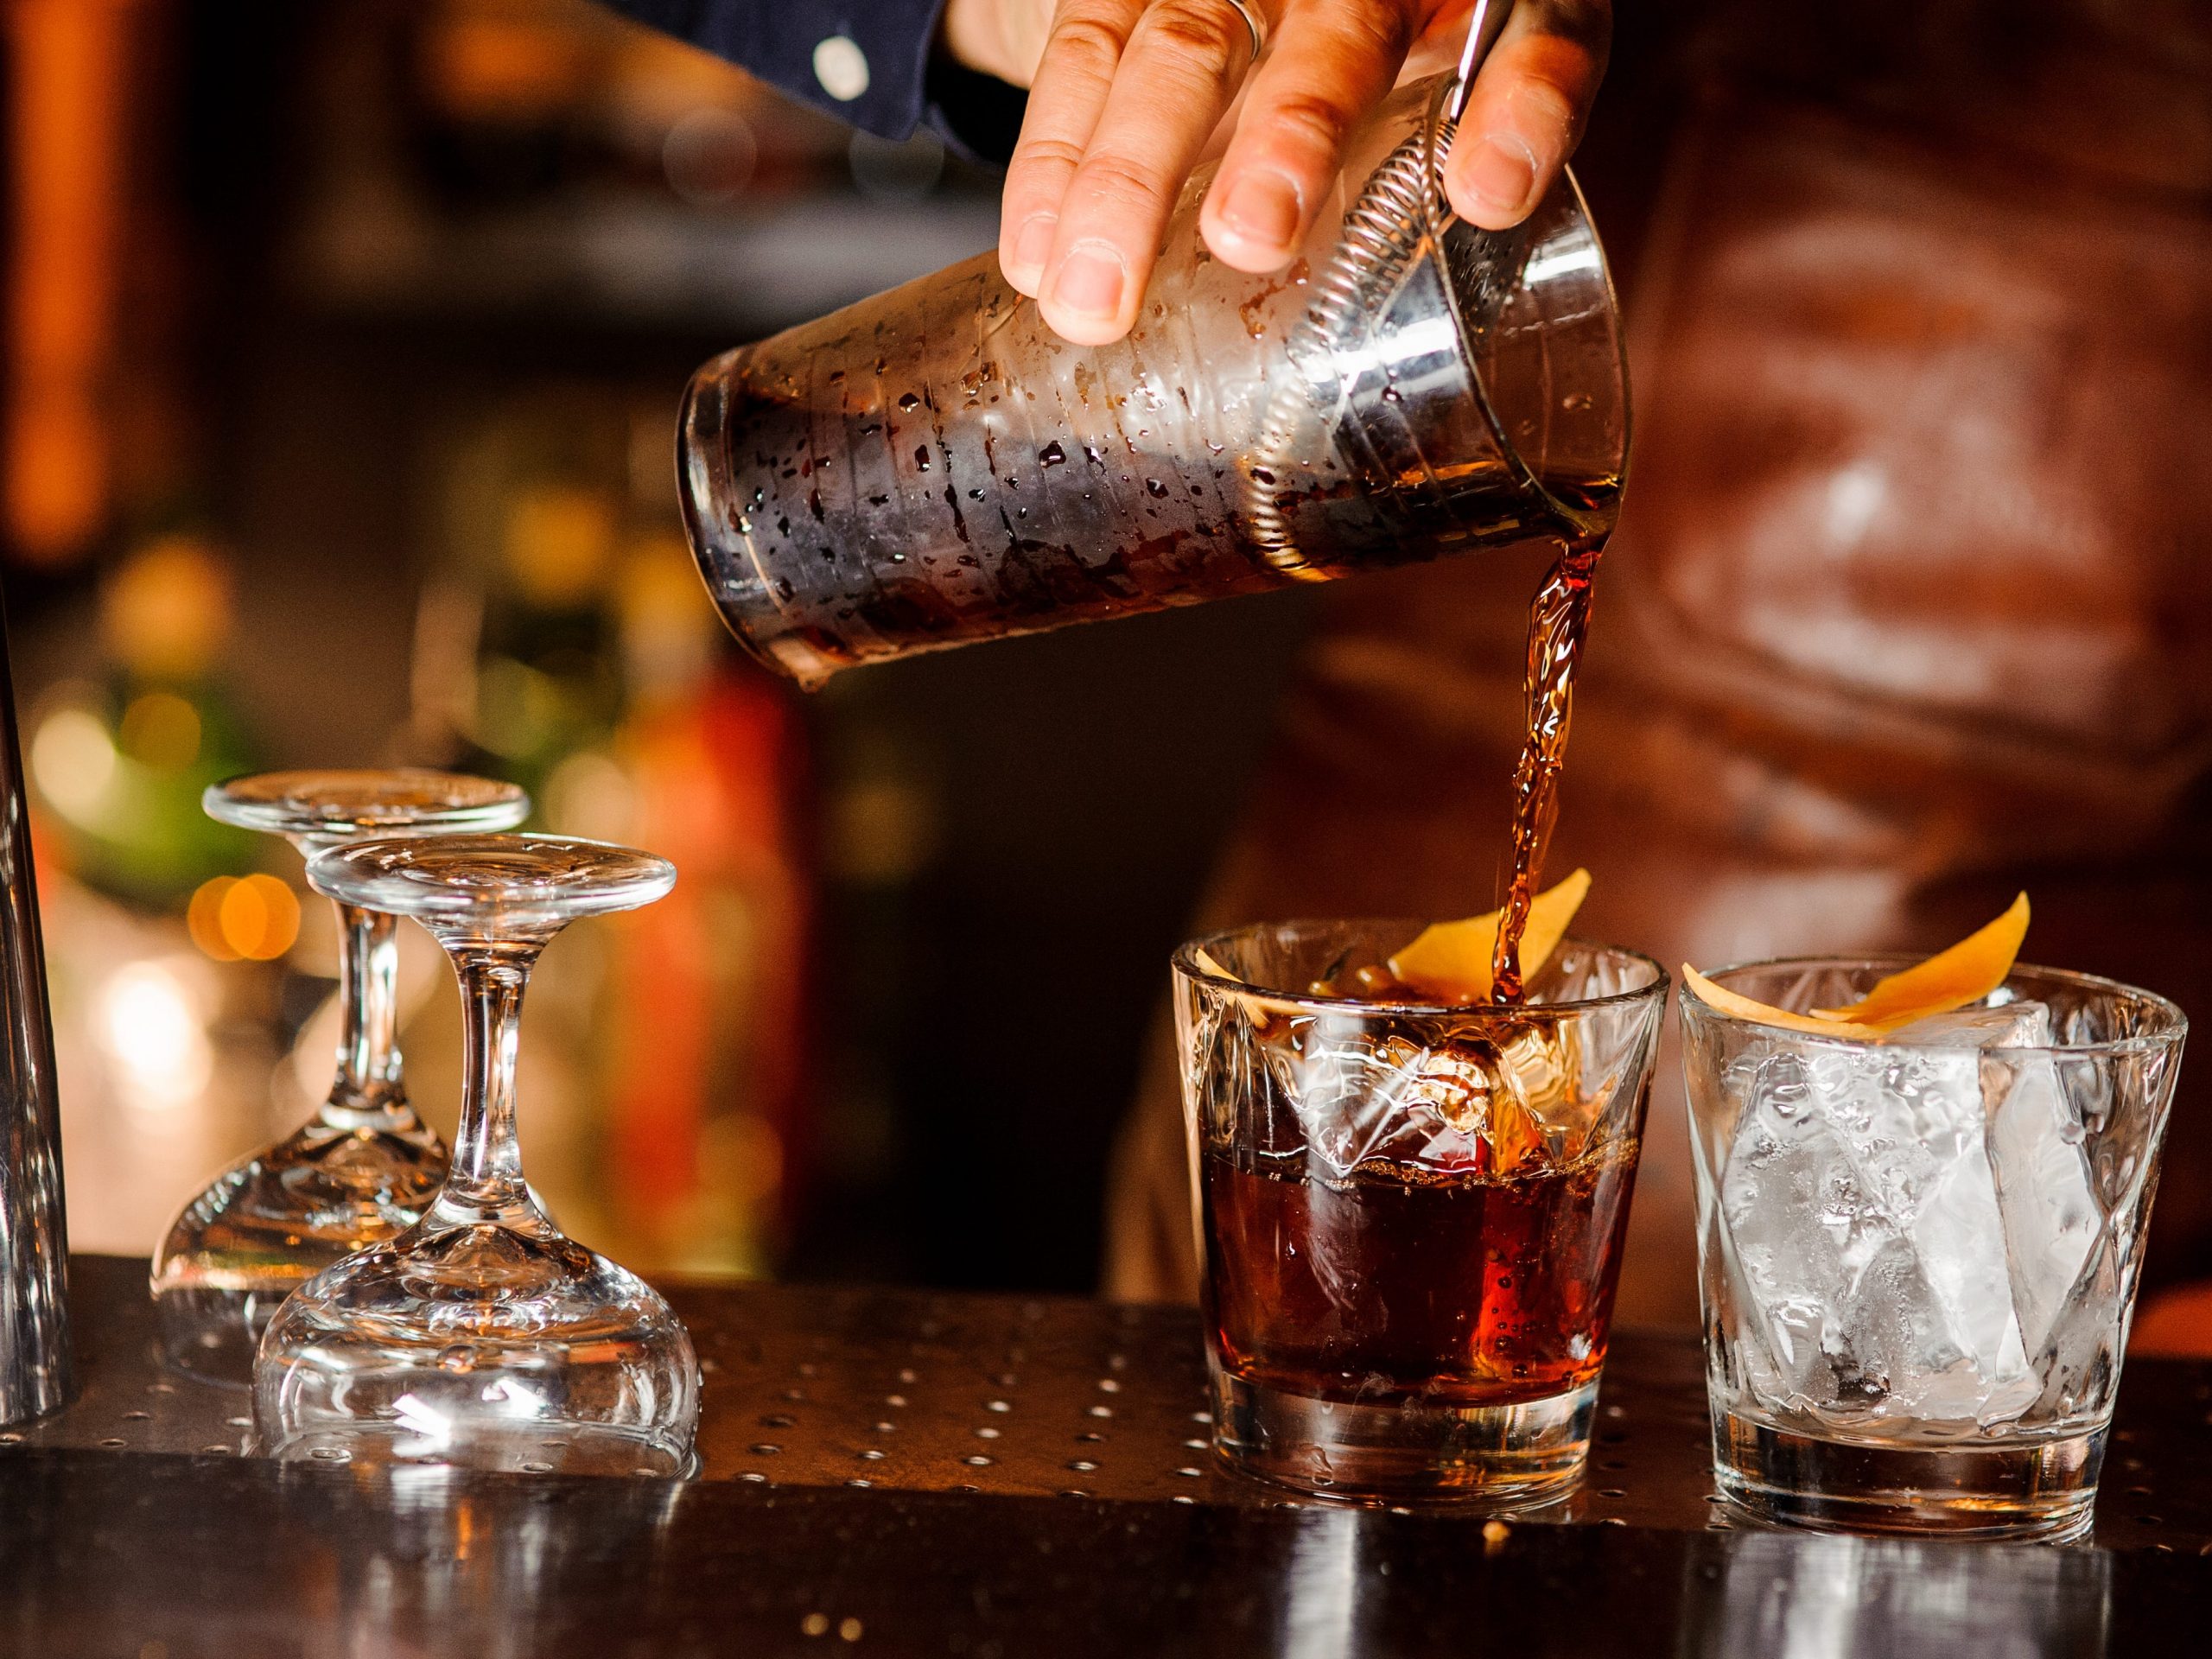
[160, 729]
[149, 1024]
[72, 757]
[253, 918]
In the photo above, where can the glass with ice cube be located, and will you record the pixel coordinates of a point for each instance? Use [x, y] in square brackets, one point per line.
[1410, 1214]
[1919, 1255]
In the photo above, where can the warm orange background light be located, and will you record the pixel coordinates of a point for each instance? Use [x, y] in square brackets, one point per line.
[66, 85]
[255, 919]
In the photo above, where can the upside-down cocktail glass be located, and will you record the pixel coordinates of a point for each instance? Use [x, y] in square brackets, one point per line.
[364, 1166]
[482, 1337]
[1410, 1216]
[1919, 1255]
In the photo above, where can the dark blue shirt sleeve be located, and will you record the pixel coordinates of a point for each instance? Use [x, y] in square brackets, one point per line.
[781, 41]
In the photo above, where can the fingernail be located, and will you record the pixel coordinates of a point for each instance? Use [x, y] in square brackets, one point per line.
[1032, 243]
[1263, 208]
[1500, 172]
[1091, 282]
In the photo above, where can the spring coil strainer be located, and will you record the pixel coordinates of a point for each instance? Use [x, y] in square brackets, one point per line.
[1330, 399]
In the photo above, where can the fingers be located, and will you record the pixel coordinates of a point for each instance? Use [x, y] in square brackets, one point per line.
[1178, 73]
[1333, 60]
[1128, 92]
[1004, 38]
[1526, 111]
[1074, 77]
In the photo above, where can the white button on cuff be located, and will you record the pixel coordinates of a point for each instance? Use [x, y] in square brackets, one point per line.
[842, 67]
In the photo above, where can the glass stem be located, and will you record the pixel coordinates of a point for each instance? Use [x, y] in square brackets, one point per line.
[369, 1093]
[485, 1183]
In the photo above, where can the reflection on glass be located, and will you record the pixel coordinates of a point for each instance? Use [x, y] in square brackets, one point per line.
[1802, 1595]
[1320, 1609]
[426, 1561]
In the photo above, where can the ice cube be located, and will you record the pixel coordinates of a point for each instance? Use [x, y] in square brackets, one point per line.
[1860, 1190]
[1330, 1077]
[1360, 1098]
[1894, 1347]
[2006, 1025]
[1913, 1123]
[2035, 1153]
[1802, 1229]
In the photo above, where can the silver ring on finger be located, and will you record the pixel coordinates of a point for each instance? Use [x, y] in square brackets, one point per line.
[1255, 21]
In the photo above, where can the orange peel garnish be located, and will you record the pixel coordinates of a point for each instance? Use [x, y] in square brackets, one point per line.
[1948, 980]
[1724, 1000]
[1966, 973]
[1451, 960]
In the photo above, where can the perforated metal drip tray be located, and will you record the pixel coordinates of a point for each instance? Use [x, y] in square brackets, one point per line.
[914, 1391]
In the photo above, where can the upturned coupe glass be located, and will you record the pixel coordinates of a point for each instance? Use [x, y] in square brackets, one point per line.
[482, 1336]
[364, 1166]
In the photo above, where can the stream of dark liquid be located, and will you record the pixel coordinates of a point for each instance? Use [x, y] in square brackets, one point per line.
[1559, 619]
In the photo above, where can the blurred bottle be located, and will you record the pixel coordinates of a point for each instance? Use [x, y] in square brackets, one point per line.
[561, 644]
[710, 999]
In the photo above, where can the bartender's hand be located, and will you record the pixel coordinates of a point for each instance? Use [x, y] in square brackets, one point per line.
[1126, 94]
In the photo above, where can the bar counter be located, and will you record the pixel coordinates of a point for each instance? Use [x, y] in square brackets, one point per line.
[904, 1473]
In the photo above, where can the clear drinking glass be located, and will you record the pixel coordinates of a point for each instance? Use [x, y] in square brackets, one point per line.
[1919, 1255]
[1410, 1216]
[364, 1166]
[934, 465]
[482, 1336]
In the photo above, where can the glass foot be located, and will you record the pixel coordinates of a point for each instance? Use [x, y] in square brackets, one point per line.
[481, 1346]
[1501, 1460]
[265, 1226]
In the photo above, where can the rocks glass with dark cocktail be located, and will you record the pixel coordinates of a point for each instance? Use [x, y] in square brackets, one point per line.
[1410, 1213]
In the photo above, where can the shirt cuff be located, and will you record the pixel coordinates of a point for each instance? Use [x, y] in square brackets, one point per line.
[865, 62]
